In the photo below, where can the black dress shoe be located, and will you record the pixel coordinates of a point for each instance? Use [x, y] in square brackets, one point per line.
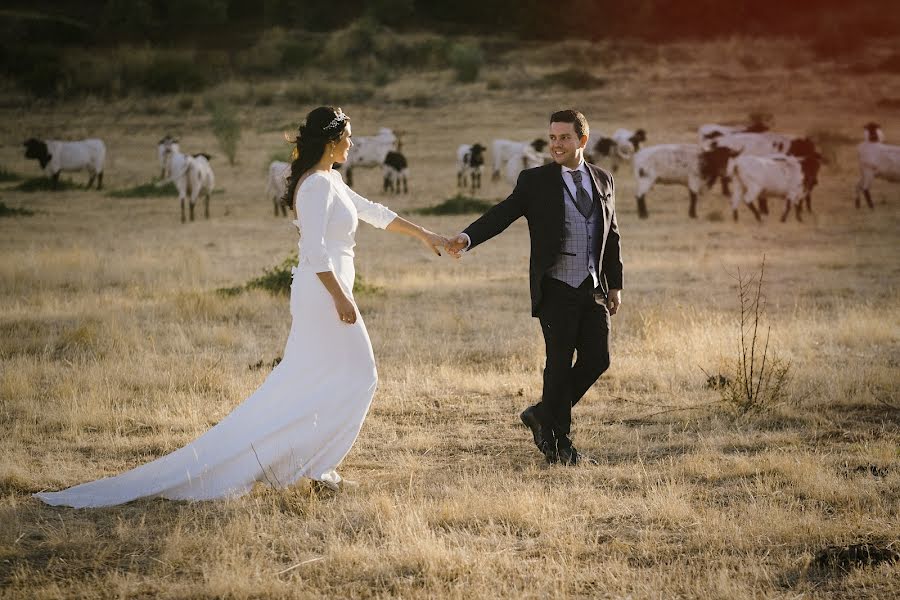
[530, 419]
[549, 451]
[568, 455]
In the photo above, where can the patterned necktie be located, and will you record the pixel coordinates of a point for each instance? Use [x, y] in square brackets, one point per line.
[583, 202]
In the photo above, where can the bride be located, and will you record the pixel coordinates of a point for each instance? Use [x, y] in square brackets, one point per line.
[306, 415]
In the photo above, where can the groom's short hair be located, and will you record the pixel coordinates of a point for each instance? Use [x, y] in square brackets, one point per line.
[572, 116]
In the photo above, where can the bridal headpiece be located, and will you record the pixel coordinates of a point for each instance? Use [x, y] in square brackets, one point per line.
[339, 117]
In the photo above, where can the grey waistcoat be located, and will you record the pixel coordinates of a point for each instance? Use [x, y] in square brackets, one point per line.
[579, 253]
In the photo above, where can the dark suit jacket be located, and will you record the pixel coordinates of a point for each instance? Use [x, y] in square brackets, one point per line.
[539, 196]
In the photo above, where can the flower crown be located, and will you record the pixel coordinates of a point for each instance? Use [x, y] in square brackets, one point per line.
[339, 117]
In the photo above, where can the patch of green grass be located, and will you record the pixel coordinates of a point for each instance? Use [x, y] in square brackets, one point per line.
[45, 184]
[146, 190]
[457, 205]
[6, 176]
[277, 280]
[6, 211]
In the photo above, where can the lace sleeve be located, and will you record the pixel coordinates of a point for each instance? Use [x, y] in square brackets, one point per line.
[372, 213]
[315, 197]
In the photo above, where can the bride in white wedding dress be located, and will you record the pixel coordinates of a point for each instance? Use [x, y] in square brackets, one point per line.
[306, 415]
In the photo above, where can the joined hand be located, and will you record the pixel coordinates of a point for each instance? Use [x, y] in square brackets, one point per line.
[456, 245]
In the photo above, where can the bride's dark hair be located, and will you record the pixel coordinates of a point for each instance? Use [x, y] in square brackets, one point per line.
[324, 124]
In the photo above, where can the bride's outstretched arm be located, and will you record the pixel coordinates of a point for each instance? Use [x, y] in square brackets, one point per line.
[429, 238]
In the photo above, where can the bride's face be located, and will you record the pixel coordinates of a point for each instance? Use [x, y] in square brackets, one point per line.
[343, 146]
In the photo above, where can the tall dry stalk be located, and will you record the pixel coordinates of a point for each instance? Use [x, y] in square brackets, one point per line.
[760, 379]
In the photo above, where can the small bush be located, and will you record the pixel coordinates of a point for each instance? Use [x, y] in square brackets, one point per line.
[170, 74]
[457, 205]
[186, 103]
[354, 43]
[574, 79]
[6, 175]
[146, 190]
[6, 211]
[277, 280]
[226, 128]
[466, 60]
[45, 184]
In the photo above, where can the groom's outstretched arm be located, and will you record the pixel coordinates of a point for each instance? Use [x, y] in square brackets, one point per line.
[494, 221]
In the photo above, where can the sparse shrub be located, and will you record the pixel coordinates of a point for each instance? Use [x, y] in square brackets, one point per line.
[277, 280]
[7, 211]
[226, 128]
[38, 69]
[297, 53]
[758, 380]
[355, 42]
[466, 60]
[457, 205]
[186, 103]
[170, 73]
[574, 79]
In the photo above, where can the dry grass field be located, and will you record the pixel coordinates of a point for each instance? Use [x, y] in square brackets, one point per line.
[115, 348]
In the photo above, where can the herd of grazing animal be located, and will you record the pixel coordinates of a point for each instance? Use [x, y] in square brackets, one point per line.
[752, 164]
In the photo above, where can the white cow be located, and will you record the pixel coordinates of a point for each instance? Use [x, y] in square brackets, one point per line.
[502, 151]
[276, 184]
[369, 151]
[192, 175]
[876, 160]
[788, 177]
[681, 164]
[55, 156]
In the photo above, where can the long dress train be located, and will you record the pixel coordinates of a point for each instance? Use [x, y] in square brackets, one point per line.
[306, 415]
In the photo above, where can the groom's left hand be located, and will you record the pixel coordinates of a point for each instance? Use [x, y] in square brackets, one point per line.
[614, 301]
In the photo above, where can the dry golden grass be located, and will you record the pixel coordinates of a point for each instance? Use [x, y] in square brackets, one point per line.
[115, 348]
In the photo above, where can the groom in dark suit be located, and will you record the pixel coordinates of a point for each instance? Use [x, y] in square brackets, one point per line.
[575, 272]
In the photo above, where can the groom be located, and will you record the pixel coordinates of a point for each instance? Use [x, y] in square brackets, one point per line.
[575, 271]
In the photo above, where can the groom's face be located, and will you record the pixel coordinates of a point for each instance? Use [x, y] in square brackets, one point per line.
[565, 145]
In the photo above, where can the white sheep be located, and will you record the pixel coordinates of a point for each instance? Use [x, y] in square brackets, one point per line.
[679, 164]
[877, 160]
[780, 175]
[191, 175]
[369, 151]
[502, 151]
[526, 158]
[56, 156]
[276, 184]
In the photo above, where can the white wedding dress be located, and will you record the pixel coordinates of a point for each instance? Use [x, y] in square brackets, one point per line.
[304, 418]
